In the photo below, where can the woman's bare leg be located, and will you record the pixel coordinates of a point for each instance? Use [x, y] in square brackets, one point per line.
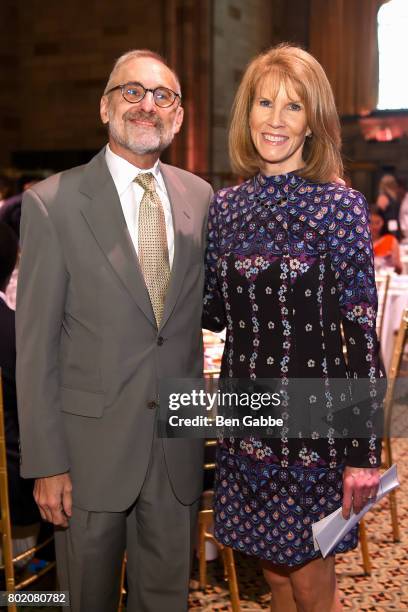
[314, 586]
[279, 583]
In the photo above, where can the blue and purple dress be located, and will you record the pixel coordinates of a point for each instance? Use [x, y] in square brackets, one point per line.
[289, 263]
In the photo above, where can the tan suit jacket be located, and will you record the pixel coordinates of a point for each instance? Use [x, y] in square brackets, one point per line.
[89, 354]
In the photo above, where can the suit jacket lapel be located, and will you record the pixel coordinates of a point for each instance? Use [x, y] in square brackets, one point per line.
[103, 213]
[183, 226]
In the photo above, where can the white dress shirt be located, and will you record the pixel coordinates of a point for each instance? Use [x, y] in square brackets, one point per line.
[130, 195]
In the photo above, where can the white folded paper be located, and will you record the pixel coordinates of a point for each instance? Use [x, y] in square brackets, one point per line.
[328, 532]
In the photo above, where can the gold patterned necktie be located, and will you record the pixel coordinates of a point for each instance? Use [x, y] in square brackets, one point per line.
[152, 244]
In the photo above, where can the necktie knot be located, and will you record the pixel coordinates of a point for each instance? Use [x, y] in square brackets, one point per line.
[146, 181]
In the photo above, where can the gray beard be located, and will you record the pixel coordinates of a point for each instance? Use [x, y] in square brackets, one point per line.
[143, 144]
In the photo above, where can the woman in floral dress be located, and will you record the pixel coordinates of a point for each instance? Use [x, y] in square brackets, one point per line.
[289, 261]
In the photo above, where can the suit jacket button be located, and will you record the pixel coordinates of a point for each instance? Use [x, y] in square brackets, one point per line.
[160, 340]
[152, 404]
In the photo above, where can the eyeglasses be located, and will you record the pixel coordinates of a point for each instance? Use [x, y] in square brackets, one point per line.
[135, 92]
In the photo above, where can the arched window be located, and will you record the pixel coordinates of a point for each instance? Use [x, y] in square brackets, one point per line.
[393, 55]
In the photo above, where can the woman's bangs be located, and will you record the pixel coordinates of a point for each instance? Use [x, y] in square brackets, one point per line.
[272, 79]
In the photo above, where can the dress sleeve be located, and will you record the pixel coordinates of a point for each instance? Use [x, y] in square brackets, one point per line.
[353, 265]
[214, 317]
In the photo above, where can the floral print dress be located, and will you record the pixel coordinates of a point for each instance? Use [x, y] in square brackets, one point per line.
[289, 263]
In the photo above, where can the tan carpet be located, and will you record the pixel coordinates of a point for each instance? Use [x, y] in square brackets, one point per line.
[385, 590]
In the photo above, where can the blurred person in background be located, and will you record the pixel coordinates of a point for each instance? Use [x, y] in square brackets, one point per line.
[385, 245]
[5, 189]
[10, 211]
[389, 201]
[403, 218]
[25, 517]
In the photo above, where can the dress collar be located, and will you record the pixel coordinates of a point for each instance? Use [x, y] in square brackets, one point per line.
[291, 179]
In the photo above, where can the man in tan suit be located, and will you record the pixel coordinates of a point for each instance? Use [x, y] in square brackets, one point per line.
[109, 302]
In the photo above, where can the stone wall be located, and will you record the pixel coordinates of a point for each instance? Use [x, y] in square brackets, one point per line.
[9, 80]
[56, 56]
[65, 51]
[241, 30]
[366, 161]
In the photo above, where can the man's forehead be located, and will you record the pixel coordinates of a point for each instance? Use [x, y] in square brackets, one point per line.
[147, 70]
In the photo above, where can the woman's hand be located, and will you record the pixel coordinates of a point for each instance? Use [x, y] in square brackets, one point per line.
[383, 201]
[360, 485]
[339, 181]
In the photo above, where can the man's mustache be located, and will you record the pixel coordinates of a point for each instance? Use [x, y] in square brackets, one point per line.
[142, 116]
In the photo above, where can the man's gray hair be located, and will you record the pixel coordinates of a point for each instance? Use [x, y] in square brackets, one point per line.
[135, 54]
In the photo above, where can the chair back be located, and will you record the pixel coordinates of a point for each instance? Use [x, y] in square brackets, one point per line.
[395, 368]
[211, 384]
[383, 282]
[5, 523]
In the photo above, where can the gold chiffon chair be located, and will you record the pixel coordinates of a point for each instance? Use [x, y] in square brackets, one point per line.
[365, 553]
[362, 528]
[5, 524]
[394, 372]
[205, 534]
[122, 594]
[205, 523]
[382, 283]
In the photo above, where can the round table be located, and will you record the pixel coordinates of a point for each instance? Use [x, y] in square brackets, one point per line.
[397, 301]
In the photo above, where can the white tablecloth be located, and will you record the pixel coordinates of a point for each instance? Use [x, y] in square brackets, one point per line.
[397, 301]
[404, 257]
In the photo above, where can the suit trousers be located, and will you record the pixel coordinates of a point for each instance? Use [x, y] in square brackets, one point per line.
[157, 532]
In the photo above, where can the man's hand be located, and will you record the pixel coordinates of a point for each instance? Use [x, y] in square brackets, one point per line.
[53, 496]
[360, 485]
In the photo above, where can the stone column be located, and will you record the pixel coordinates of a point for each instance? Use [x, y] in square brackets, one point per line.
[187, 46]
